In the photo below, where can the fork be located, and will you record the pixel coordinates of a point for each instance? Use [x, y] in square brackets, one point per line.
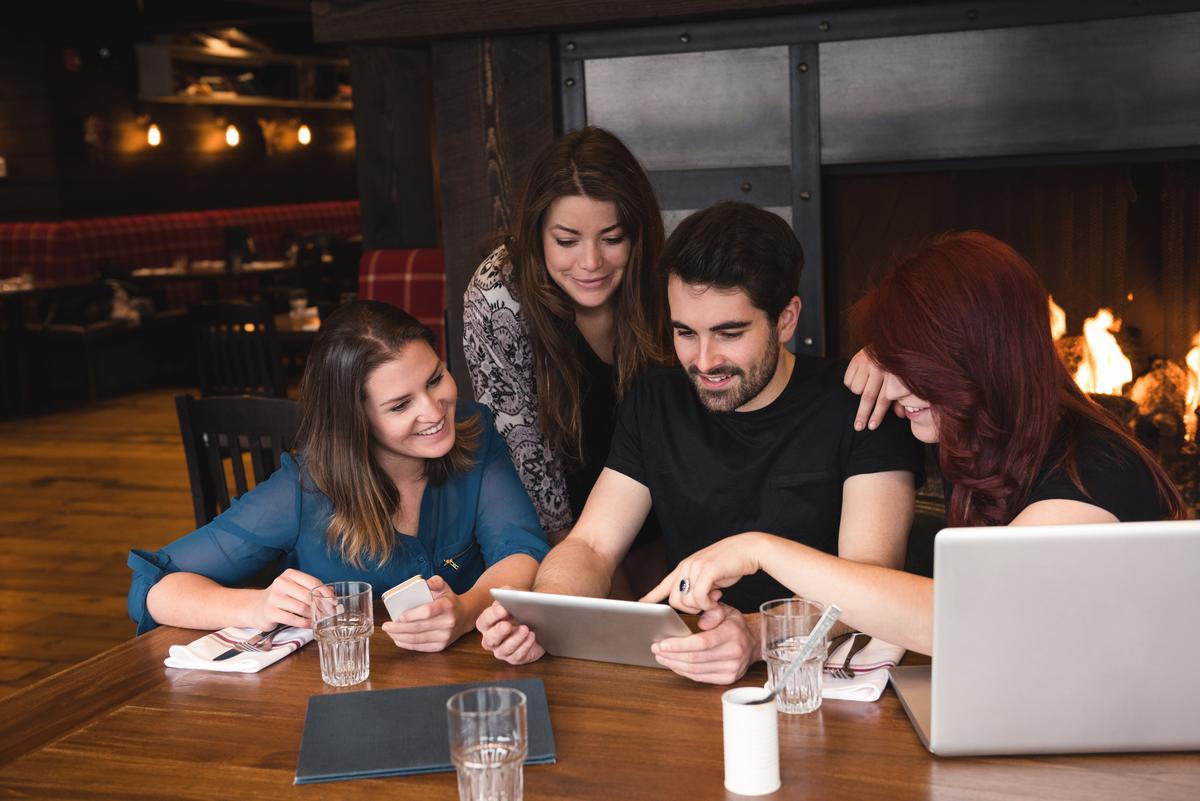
[261, 643]
[858, 642]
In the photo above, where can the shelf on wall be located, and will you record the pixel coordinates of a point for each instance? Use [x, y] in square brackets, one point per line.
[158, 65]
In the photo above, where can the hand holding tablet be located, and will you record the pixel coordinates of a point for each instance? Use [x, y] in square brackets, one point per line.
[594, 628]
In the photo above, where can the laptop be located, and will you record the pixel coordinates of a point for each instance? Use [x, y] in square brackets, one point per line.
[1061, 639]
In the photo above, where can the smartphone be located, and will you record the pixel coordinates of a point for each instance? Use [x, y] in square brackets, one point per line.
[407, 595]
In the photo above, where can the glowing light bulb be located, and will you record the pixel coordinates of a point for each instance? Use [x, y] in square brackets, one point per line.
[153, 136]
[304, 134]
[232, 137]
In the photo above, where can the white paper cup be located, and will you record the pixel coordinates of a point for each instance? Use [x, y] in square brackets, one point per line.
[751, 742]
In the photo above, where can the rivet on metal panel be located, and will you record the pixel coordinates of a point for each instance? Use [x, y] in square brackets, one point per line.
[806, 195]
[570, 45]
[802, 66]
[823, 26]
[746, 187]
[685, 37]
[808, 341]
[569, 82]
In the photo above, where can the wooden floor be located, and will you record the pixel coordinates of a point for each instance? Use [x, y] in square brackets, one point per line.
[77, 489]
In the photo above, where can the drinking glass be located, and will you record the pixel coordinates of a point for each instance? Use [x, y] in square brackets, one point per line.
[488, 743]
[786, 623]
[343, 621]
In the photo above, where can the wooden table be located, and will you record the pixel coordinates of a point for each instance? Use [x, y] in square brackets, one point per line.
[122, 726]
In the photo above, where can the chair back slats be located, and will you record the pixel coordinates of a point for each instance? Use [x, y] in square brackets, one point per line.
[237, 351]
[219, 499]
[237, 460]
[221, 434]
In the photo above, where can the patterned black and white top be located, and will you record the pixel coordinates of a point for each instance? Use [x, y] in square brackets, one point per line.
[500, 360]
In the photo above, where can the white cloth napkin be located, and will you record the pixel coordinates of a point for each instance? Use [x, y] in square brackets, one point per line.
[199, 654]
[870, 665]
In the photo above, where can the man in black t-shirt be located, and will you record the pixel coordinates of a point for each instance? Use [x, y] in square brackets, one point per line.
[745, 437]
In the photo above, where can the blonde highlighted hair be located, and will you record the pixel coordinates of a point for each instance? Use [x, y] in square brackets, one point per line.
[334, 437]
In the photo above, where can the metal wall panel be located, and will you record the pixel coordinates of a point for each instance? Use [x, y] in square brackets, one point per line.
[672, 217]
[715, 109]
[1096, 86]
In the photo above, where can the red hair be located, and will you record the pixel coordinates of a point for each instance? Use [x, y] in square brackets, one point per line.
[964, 323]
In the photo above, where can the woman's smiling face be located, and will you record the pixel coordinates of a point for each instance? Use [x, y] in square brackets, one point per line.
[586, 249]
[410, 405]
[918, 411]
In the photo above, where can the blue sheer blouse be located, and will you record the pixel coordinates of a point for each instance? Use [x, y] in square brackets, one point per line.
[467, 524]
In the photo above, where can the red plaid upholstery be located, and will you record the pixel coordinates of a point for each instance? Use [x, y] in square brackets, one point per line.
[78, 249]
[122, 244]
[414, 280]
[269, 224]
[48, 250]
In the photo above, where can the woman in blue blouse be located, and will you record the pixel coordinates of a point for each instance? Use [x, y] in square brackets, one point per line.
[394, 478]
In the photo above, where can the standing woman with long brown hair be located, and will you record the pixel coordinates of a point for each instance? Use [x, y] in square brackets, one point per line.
[394, 477]
[962, 332]
[560, 318]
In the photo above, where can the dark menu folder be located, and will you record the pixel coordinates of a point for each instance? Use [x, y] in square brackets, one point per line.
[376, 733]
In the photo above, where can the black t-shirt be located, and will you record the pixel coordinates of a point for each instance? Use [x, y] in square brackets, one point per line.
[598, 417]
[777, 469]
[1115, 478]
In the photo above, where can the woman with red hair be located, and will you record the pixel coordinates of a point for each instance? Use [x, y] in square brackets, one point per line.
[960, 336]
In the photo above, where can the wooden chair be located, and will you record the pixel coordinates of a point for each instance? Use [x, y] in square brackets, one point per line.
[237, 351]
[221, 434]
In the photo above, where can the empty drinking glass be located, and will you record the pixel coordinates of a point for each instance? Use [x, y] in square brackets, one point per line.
[488, 743]
[343, 622]
[785, 626]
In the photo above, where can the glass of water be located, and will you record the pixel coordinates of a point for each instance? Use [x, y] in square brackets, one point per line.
[785, 626]
[488, 743]
[343, 621]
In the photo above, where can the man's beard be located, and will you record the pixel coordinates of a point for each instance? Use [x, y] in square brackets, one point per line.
[746, 386]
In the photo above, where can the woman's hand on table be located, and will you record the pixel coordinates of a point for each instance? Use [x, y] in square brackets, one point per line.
[286, 601]
[432, 626]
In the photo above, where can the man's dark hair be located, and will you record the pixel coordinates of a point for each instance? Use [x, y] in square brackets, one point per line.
[737, 246]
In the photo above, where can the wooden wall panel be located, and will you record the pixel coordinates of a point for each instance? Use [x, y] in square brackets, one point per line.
[29, 191]
[494, 105]
[358, 20]
[392, 118]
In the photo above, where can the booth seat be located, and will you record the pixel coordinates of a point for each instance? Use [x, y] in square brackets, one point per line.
[414, 280]
[77, 250]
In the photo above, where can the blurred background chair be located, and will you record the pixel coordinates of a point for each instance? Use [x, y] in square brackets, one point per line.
[237, 350]
[226, 441]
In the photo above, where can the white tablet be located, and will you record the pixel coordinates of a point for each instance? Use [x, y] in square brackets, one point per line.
[594, 628]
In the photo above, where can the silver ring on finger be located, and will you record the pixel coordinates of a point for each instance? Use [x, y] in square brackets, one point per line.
[684, 585]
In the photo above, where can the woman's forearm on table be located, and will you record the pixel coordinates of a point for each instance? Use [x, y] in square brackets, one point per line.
[885, 603]
[192, 601]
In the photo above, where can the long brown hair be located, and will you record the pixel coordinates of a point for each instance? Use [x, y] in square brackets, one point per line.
[964, 324]
[334, 436]
[592, 163]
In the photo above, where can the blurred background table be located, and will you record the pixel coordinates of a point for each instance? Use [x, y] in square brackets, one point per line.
[122, 726]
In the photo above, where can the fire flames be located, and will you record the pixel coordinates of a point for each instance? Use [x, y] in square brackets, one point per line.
[1058, 320]
[1193, 388]
[1104, 369]
[1101, 368]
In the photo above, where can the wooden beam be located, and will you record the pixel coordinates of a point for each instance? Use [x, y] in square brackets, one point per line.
[494, 104]
[361, 20]
[392, 107]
